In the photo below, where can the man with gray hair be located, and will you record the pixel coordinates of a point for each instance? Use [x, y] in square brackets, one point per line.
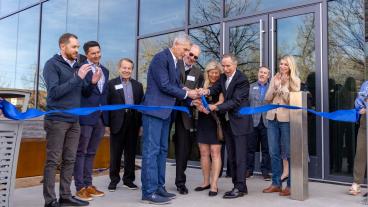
[163, 89]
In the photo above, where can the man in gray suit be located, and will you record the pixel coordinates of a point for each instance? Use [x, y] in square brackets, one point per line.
[257, 93]
[191, 77]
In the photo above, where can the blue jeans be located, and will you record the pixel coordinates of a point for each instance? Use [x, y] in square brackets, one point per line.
[279, 148]
[89, 140]
[154, 153]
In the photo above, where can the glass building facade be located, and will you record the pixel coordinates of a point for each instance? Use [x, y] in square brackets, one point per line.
[326, 37]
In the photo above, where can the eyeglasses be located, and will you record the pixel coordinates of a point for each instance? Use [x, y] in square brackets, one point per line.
[192, 55]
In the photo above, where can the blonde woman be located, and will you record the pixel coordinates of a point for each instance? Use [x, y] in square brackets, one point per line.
[284, 82]
[208, 140]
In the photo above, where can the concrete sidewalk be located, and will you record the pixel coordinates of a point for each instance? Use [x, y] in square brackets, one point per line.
[320, 194]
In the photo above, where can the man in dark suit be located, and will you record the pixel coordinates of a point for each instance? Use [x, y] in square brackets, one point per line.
[93, 125]
[124, 124]
[163, 89]
[191, 77]
[237, 128]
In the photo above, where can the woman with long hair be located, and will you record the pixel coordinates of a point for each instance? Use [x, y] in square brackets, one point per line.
[207, 135]
[284, 82]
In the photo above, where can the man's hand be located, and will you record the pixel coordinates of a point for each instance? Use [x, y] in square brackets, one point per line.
[83, 70]
[362, 111]
[193, 94]
[212, 107]
[97, 75]
[203, 92]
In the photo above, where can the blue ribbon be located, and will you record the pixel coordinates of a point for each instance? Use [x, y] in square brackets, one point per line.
[11, 112]
[351, 115]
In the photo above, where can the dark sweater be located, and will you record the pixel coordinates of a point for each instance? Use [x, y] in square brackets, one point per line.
[64, 88]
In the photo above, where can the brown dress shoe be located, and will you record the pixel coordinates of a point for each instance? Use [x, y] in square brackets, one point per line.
[285, 192]
[92, 190]
[272, 189]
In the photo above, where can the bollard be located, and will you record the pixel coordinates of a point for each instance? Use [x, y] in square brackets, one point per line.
[299, 147]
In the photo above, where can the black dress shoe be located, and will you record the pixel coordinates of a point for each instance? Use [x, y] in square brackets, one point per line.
[72, 201]
[52, 204]
[234, 193]
[112, 187]
[182, 189]
[200, 188]
[212, 193]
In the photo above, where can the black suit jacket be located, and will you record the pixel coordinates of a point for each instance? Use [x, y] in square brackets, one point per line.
[195, 81]
[236, 97]
[92, 97]
[116, 118]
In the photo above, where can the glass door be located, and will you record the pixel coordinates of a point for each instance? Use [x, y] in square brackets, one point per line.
[297, 32]
[247, 40]
[263, 40]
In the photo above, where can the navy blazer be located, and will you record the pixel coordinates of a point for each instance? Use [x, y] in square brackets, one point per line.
[236, 97]
[163, 84]
[91, 97]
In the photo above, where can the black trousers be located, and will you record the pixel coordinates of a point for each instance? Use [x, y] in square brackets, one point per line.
[237, 151]
[183, 148]
[124, 141]
[259, 137]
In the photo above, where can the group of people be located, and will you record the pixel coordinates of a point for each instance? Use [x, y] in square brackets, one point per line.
[173, 79]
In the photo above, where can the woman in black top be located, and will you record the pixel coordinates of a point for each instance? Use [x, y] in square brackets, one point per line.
[208, 140]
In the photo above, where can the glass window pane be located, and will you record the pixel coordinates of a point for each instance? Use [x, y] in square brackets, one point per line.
[204, 11]
[117, 30]
[83, 22]
[8, 52]
[8, 6]
[244, 7]
[244, 43]
[53, 25]
[19, 40]
[346, 74]
[208, 38]
[172, 15]
[25, 3]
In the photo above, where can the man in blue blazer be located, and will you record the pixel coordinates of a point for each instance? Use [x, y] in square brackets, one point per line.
[94, 93]
[163, 89]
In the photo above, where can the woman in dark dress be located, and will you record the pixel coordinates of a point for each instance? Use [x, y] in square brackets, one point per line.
[209, 145]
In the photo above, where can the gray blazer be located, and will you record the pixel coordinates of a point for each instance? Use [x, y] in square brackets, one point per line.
[254, 97]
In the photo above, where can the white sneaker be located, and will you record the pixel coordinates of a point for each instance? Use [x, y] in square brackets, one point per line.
[354, 189]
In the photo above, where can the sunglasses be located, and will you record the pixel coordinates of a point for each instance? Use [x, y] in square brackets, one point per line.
[192, 55]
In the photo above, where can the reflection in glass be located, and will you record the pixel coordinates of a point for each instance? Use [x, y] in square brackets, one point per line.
[244, 7]
[8, 6]
[82, 22]
[8, 30]
[19, 41]
[208, 38]
[159, 15]
[116, 32]
[148, 47]
[244, 43]
[346, 69]
[204, 11]
[296, 36]
[53, 25]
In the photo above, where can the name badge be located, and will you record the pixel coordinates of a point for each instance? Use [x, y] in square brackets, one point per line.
[119, 86]
[190, 78]
[255, 88]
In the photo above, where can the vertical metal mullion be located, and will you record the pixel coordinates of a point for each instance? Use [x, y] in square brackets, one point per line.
[136, 37]
[187, 17]
[38, 57]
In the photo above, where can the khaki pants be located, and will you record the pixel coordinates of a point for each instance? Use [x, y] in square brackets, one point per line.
[360, 161]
